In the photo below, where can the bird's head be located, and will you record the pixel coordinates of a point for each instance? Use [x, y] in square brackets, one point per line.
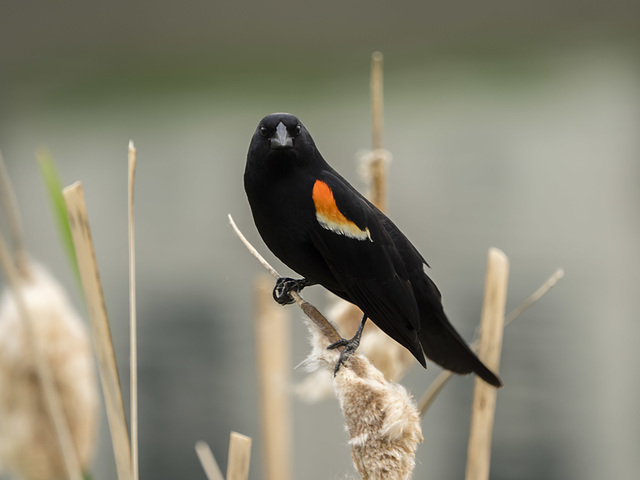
[280, 141]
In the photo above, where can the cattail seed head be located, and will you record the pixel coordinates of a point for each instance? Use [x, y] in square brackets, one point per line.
[388, 356]
[382, 420]
[29, 446]
[381, 417]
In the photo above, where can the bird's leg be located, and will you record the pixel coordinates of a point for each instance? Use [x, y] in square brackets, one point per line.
[350, 346]
[284, 285]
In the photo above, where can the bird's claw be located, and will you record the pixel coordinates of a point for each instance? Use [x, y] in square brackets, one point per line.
[343, 342]
[285, 285]
[350, 347]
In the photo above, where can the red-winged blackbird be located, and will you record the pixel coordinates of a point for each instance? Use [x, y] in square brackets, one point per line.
[320, 226]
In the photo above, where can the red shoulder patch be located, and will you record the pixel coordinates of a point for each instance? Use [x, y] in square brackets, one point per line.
[331, 218]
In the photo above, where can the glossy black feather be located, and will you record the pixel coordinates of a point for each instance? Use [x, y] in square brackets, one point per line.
[383, 275]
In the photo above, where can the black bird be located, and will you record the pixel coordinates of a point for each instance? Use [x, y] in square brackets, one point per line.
[320, 226]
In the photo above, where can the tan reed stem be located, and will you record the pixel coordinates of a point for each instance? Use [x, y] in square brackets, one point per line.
[87, 263]
[489, 349]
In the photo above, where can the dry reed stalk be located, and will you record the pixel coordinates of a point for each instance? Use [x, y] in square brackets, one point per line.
[377, 99]
[375, 162]
[239, 457]
[378, 161]
[208, 461]
[81, 233]
[273, 362]
[439, 383]
[133, 346]
[14, 222]
[489, 349]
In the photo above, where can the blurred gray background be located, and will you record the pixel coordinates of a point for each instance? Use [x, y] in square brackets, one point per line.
[512, 124]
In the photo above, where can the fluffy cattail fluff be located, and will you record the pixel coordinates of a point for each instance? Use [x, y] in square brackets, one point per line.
[381, 417]
[29, 445]
[387, 355]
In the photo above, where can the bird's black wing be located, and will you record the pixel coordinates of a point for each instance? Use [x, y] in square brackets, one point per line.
[439, 339]
[364, 260]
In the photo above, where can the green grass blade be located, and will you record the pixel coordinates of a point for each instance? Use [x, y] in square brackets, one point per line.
[54, 189]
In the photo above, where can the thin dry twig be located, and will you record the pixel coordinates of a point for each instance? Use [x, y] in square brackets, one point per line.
[14, 222]
[132, 316]
[535, 296]
[208, 461]
[434, 389]
[45, 376]
[441, 380]
[252, 249]
[87, 263]
[327, 329]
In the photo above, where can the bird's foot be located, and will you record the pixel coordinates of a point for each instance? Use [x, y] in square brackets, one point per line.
[350, 346]
[285, 285]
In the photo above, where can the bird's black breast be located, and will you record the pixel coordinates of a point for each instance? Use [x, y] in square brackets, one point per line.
[284, 215]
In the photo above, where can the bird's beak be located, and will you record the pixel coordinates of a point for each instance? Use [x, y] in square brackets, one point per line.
[281, 139]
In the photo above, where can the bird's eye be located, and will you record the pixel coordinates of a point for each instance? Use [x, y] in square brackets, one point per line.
[298, 129]
[264, 131]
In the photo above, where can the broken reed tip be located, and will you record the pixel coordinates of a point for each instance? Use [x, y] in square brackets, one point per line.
[498, 254]
[72, 187]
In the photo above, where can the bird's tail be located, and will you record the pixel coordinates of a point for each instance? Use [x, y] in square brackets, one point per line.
[442, 343]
